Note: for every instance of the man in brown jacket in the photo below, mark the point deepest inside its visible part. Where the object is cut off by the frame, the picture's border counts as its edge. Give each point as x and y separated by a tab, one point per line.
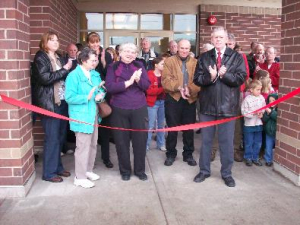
180	103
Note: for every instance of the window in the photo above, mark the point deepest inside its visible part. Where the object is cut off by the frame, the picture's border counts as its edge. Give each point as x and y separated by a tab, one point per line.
185	23
125	21
91	21
151	22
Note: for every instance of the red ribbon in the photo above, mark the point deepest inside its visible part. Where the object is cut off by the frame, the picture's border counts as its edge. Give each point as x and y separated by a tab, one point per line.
36	109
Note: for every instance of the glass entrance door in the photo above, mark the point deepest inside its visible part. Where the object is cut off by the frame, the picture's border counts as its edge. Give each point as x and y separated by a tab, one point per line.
159	40
114	37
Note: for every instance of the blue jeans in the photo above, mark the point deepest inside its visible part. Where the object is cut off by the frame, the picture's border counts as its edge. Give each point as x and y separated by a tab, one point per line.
252	142
55	135
270	142
157	113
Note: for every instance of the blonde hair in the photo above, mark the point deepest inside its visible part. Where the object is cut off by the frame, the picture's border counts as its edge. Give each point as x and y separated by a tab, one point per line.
254	84
247	84
265	81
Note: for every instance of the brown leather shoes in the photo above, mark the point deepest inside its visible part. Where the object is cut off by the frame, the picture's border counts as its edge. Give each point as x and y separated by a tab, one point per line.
64	173
56	179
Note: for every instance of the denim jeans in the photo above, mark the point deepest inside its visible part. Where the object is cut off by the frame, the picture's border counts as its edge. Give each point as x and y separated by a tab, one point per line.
156	113
55	135
270	142
252	142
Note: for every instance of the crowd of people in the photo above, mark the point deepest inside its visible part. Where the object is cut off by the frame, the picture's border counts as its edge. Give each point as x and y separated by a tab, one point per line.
146	90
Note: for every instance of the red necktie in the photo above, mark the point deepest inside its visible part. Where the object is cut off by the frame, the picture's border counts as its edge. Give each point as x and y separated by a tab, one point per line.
219	60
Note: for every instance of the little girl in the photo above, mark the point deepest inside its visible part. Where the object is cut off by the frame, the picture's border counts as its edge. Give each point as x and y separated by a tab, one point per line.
253	124
270	121
156	103
266	87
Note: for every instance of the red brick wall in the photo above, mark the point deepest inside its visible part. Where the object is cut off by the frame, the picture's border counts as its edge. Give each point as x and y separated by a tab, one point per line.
246	23
287	152
16	154
58	16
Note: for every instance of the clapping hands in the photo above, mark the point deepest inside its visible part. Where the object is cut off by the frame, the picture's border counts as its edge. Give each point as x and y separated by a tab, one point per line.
185	92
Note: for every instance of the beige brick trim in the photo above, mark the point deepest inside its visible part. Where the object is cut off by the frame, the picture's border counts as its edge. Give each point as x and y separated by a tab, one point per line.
288	140
16	153
241	9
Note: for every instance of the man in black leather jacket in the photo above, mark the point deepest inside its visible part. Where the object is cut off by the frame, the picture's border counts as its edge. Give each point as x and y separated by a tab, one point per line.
219	73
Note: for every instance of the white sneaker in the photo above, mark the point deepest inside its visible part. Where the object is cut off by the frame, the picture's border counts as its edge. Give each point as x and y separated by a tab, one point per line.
163	148
85	183
92	176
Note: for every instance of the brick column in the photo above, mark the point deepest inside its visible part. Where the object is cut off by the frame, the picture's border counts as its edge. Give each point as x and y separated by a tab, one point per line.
287	151
58	16
16	141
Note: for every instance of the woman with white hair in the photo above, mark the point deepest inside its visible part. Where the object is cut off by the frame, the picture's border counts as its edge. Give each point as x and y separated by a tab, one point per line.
127	82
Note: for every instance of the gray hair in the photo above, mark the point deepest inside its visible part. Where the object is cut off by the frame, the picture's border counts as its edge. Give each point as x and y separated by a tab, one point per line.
207	46
216	29
85	54
275	50
128	45
231	37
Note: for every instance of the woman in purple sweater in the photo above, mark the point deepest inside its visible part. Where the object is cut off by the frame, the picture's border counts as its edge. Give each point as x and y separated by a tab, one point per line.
127	82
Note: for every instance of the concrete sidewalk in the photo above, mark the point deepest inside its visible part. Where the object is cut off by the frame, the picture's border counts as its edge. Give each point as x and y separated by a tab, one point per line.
169	196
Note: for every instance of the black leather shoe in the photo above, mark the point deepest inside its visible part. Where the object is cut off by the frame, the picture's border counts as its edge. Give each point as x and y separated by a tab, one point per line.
55	179
269	164
169	161
229	181
125	177
142	176
200	177
190	161
248	162
64	173
108	164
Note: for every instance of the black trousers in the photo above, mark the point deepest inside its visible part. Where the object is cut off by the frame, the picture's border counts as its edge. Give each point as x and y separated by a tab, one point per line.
133	119
103	139
179	113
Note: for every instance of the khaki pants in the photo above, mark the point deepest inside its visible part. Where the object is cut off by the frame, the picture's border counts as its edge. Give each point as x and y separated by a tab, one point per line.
85	153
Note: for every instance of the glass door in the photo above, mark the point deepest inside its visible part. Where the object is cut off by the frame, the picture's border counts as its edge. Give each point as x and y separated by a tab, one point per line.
159	40
116	37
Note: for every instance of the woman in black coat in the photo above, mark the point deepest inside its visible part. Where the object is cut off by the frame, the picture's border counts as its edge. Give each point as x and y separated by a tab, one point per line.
49	73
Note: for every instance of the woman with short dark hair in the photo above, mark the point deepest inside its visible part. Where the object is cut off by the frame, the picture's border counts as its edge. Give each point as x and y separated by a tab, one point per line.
49	73
82	95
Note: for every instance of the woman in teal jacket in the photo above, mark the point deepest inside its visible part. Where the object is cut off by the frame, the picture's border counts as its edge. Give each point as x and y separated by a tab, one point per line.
82	95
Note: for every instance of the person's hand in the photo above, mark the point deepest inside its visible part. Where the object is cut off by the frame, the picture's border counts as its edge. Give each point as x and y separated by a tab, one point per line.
260	58
187	91
137	75
91	93
101	85
213	72
222	71
257	68
68	65
268	110
260	115
103	57
182	92
99	97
